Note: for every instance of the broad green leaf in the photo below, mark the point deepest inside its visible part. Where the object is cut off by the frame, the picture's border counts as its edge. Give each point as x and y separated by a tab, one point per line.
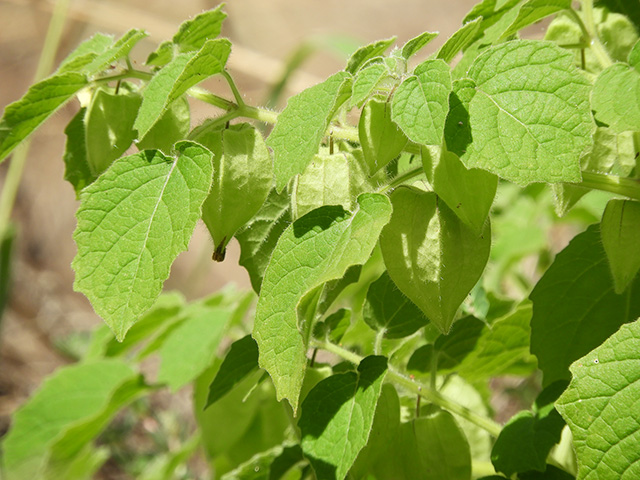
161	55
334	326
634	56
367	80
431	256
360	56
189	349
240	361
109	127
85	53
271	464
620	232
526	440
421	102
611	153
178	76
195	32
386	308
335	179
616	98
617	32
131	228
118	50
302	124
172	126
23	117
51	411
431	447
469	193
530	116
332	290
575	307
462	38
381	139
601	407
330	241
259	237
337	416
533	11
242	180
416	44
7	238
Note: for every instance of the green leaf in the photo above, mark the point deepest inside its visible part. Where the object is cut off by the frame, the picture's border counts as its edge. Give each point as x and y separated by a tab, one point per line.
130	229
337	416
533	11
530	116
118	50
634	56
431	447
620	232
161	55
431	256
172	126
526	440
360	56
51	411
381	139
615	98
194	33
85	53
600	407
259	237
551	473
416	44
575	307
271	464
189	349
367	80
386	308
178	76
242	180
23	117
302	124
335	179
469	193
330	241
334	326
460	40
109	127
240	361
421	102
77	171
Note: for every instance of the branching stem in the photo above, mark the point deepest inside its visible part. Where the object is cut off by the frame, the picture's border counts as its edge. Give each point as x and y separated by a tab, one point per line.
417	388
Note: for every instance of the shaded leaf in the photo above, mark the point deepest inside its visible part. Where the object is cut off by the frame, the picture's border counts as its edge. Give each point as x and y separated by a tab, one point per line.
77	171
337	416
381	139
575	307
172	126
620	232
615	98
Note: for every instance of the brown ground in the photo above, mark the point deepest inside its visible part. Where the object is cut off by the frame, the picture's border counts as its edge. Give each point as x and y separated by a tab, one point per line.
43	307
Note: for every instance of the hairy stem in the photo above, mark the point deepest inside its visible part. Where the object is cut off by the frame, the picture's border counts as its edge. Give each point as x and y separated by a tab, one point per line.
417	388
628	187
591	33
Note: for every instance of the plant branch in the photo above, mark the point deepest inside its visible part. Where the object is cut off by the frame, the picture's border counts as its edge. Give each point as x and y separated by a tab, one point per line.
628	187
234	89
588	28
417	388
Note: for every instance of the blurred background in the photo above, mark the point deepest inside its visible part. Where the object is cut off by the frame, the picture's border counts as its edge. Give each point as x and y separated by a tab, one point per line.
44	314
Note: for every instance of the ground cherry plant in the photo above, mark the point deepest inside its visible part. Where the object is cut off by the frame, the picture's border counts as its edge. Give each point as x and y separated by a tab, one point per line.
394	221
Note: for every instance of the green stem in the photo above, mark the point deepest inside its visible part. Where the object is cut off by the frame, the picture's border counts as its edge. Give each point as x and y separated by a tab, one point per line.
401	179
18	160
234	89
589	28
208	97
628	187
129	73
416	388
